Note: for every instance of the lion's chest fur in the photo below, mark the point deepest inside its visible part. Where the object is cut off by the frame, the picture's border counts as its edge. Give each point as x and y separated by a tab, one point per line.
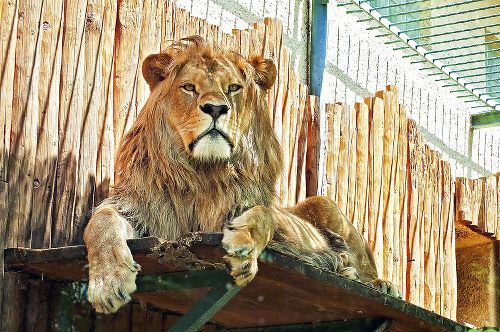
172	210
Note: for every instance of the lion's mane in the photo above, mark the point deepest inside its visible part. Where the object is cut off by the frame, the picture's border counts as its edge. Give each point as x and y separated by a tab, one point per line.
163	191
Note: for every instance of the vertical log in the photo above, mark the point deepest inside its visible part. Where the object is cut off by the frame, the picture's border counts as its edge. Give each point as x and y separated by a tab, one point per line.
128	31
343	165
498	205
463	208
272	49
402	207
333	116
351	197
283	108
489	206
428	239
361	167
421	204
453	267
149	42
437	229
313	143
303	125
388	179
105	133
476	198
48	140
413	253
168	25
448	250
70	121
375	161
292	108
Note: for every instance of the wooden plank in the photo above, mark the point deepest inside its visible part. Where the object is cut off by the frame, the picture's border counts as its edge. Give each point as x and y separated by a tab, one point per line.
105	132
476	197
489	206
402	207
292	104
375	161
463	209
351	197
257	38
388	179
414	174
70	122
422	198
128	32
149	42
303	125
282	115
48	140
333	113
428	239
498	205
448	250
453	256
313	144
8	33
437	229
343	163
24	123
361	168
168	25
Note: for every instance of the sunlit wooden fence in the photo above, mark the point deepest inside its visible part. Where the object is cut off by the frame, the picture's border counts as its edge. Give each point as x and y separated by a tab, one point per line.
71	86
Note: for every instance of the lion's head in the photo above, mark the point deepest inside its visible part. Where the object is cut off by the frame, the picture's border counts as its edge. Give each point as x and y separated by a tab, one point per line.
205	130
210	94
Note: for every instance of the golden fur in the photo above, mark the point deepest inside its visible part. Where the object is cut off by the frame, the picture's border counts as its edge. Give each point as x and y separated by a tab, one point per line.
202	156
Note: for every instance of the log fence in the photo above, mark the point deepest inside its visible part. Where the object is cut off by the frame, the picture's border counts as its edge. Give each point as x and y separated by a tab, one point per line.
71	90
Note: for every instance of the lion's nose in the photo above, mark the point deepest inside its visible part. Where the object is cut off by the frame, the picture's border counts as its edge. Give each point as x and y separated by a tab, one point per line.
215	111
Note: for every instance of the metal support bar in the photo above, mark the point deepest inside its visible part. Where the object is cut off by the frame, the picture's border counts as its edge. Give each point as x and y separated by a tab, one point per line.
377	324
208	306
456	31
317	59
420	10
449	23
485	120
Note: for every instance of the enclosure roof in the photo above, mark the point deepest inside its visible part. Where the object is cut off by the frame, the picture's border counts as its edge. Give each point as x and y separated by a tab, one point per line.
457	42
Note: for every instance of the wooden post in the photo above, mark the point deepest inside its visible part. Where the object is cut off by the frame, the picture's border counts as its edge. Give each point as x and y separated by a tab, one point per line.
498	204
402	207
414	174
292	108
421	204
48	140
313	143
448	249
389	173
428	238
463	193
476	196
343	165
489	206
128	32
283	109
333	116
361	168
375	160
351	197
437	229
303	125
168	25
105	134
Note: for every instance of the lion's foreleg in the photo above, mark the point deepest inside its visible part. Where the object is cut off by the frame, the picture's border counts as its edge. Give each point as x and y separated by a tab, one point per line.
245	237
112	269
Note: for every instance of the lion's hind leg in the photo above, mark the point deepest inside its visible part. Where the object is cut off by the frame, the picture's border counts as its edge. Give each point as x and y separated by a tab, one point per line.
112	269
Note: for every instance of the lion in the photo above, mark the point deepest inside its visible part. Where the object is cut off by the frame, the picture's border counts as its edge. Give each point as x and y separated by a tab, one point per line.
202	156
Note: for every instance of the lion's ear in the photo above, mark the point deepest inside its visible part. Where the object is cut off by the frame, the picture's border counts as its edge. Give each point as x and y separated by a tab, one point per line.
265	71
153	68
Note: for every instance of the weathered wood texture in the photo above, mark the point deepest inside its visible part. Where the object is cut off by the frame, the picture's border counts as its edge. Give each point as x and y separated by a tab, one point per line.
71	86
397	194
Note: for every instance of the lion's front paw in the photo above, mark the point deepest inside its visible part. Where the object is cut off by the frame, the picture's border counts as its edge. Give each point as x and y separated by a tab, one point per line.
111	279
386	287
349	272
241	254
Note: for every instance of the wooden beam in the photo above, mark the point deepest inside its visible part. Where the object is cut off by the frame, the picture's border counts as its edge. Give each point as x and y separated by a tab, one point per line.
485	120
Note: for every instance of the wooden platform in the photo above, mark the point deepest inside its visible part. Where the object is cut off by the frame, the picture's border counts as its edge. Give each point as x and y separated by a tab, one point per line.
286	291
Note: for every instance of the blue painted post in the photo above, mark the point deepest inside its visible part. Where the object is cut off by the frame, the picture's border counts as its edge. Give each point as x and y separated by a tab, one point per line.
319	29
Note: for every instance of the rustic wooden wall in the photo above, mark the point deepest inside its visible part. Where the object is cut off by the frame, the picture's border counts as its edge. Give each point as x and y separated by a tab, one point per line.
71	86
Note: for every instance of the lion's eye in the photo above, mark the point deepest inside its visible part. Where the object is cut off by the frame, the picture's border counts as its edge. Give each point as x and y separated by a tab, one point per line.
188	87
234	87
